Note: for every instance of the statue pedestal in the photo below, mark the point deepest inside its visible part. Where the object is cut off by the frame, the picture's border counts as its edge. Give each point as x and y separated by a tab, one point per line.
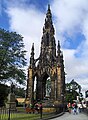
11	104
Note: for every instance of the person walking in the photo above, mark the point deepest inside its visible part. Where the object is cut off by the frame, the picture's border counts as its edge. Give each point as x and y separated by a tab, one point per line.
75	109
41	110
69	107
79	107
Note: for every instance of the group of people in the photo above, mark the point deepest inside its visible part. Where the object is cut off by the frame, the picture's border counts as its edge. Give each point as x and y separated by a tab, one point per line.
75	108
34	107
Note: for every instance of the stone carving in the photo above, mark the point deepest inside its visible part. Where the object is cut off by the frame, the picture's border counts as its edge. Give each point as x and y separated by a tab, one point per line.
11	104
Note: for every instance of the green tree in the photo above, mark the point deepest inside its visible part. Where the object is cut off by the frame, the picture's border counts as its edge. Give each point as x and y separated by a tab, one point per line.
73	89
19	92
12	57
73	86
4	90
71	95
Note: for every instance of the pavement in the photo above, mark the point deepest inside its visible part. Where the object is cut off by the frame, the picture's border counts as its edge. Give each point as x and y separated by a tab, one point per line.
68	116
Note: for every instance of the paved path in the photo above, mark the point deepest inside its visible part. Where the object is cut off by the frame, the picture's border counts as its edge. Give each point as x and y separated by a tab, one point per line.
68	116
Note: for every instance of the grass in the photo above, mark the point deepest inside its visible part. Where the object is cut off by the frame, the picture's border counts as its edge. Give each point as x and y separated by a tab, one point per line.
21	115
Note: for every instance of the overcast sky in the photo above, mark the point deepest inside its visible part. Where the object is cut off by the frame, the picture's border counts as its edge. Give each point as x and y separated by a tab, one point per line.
70	19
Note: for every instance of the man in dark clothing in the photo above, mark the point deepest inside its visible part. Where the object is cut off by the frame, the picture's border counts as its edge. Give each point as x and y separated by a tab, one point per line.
75	108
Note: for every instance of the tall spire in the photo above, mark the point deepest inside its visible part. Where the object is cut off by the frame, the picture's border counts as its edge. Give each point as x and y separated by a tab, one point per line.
48	26
49	11
48	44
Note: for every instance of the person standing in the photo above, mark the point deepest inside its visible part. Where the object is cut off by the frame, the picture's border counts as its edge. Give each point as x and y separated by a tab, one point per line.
80	107
75	108
69	107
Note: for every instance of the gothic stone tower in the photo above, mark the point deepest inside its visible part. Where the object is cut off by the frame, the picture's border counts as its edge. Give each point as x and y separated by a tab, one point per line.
49	65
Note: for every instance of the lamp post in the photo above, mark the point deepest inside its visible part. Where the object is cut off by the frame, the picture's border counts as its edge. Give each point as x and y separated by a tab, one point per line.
9	114
41	110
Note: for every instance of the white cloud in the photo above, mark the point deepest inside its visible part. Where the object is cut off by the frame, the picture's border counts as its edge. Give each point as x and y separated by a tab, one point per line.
70	14
75	67
71	17
29	23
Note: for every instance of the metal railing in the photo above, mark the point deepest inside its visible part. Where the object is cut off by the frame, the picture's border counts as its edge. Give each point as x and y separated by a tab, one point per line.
6	114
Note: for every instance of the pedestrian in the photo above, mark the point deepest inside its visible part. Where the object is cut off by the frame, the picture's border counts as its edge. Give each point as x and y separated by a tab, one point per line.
79	107
75	109
41	110
73	105
37	108
69	107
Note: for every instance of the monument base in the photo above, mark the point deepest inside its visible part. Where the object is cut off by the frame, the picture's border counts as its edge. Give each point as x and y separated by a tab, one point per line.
51	103
11	105
51	106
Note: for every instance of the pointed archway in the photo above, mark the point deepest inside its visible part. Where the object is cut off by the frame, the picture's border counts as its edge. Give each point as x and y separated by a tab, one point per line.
45	86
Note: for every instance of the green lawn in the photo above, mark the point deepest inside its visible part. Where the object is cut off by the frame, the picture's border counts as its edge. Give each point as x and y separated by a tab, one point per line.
21	115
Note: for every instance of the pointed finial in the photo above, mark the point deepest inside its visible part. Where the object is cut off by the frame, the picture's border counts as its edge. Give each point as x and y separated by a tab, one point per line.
58	48
33	46
48	6
48	14
58	44
48	11
32	56
32	50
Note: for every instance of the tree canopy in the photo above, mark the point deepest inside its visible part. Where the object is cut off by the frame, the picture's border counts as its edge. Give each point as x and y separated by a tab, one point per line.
73	89
4	90
12	57
73	85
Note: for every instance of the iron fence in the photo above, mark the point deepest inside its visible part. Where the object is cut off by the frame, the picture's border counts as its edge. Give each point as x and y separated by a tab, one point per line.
19	114
6	114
